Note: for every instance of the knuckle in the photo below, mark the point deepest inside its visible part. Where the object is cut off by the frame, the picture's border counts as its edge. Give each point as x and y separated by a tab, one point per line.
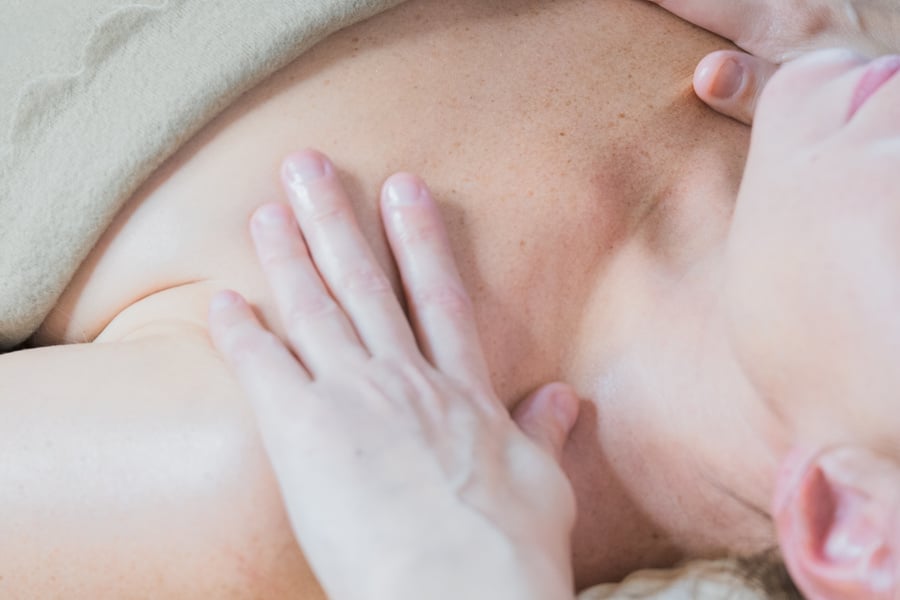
279	258
277	249
491	409
380	387
308	307
413	227
364	279
323	203
447	298
325	213
246	345
406	375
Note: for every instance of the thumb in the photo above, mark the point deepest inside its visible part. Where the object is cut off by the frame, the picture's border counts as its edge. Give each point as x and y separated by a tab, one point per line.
547	417
731	83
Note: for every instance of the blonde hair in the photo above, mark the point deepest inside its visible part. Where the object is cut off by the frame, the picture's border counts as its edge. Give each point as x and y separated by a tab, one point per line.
767	573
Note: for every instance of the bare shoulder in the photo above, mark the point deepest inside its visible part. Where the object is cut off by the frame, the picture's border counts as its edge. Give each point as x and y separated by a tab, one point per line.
132	465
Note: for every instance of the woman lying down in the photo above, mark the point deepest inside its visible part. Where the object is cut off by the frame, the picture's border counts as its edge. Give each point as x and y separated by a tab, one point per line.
398	456
588	199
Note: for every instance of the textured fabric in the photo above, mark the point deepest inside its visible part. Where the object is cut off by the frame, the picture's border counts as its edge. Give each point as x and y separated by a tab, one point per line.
96	94
699	580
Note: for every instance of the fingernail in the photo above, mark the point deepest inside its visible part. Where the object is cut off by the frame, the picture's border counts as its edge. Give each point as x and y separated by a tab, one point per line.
224	300
728	80
269	216
304	167
403	190
565	409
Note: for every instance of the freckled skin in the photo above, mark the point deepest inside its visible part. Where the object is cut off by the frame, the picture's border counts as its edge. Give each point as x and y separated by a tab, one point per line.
582	184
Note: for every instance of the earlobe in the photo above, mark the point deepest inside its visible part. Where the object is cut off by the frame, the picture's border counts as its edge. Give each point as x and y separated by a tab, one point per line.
836	526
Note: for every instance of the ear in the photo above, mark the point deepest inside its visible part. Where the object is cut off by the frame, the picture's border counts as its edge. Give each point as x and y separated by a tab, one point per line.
836	515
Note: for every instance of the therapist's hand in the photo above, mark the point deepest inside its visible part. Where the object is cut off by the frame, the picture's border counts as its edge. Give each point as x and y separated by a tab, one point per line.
775	31
403	474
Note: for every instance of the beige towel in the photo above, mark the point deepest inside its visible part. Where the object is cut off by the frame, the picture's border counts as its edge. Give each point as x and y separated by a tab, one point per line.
698	580
96	94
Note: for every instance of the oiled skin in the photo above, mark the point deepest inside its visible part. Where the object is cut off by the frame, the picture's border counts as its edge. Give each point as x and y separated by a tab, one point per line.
566	149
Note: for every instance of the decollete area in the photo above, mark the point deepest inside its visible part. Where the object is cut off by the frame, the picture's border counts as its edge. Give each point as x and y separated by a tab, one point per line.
546	130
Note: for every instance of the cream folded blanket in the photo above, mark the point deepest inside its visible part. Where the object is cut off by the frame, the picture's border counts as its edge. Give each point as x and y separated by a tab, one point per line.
96	94
696	580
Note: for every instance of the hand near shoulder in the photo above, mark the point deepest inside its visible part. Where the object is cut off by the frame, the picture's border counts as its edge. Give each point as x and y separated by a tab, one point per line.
403	474
774	32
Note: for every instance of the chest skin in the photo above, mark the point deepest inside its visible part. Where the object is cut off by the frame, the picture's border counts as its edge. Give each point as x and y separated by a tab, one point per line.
554	135
548	132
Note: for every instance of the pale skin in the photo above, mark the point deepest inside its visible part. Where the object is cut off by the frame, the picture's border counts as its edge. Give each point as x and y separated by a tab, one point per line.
810	300
543	225
225	534
409	465
775	312
817	332
813	291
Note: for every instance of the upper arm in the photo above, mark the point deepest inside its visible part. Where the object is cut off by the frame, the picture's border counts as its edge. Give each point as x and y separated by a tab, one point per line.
132	466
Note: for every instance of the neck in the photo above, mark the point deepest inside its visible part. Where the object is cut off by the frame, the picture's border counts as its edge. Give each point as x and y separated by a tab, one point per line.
674	444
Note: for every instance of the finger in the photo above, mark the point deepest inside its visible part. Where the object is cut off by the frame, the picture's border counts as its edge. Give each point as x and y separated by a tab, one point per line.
547	417
731	82
440	306
741	21
343	256
316	327
265	368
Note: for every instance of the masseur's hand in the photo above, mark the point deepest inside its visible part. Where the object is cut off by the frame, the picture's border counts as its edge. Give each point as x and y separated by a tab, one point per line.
403	474
775	31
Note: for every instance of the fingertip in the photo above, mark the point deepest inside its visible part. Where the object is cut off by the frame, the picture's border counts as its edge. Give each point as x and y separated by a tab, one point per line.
225	309
404	189
410	215
548	416
271	213
723	80
731	82
225	300
720	76
268	219
566	406
305	166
